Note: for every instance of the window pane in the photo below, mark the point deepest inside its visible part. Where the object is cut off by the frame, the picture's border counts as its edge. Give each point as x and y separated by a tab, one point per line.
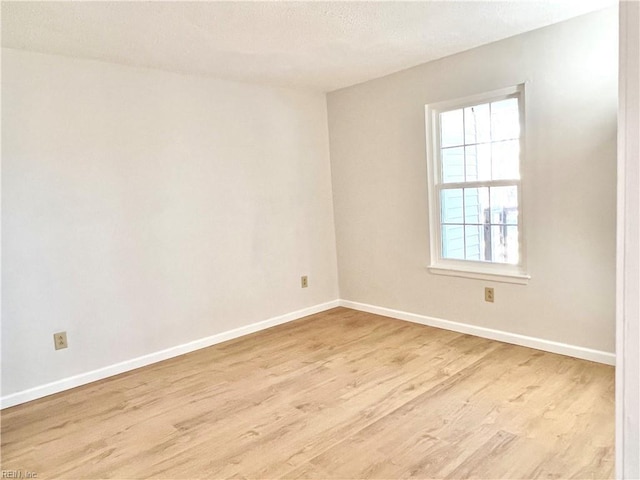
505	120
453	241
451	129
486	242
505	163
504	244
477	124
476	202
474	242
453	164
451	203
478	160
497	254
512	245
504	205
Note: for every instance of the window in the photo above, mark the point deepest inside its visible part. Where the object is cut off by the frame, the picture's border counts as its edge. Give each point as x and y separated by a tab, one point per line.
475	156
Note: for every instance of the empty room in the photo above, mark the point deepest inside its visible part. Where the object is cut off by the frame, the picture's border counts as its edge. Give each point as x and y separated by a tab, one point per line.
342	240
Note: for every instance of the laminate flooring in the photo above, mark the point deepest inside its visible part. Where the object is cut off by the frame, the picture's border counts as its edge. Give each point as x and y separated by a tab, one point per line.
337	395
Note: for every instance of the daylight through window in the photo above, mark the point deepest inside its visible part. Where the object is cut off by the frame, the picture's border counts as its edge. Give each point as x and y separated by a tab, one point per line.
476	180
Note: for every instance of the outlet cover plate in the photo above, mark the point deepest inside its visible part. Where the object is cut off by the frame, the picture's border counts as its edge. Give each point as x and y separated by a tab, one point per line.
60	340
488	294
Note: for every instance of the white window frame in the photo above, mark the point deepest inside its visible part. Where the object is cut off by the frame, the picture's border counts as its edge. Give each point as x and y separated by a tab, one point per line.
492	271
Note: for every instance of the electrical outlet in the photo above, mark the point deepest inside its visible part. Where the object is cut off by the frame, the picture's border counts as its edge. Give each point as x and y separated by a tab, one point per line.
488	294
304	282
60	340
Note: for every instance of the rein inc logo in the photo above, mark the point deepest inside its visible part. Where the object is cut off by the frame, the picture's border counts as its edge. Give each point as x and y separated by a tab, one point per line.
18	474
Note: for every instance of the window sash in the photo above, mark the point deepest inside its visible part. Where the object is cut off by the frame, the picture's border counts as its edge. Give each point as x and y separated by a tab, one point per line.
462	185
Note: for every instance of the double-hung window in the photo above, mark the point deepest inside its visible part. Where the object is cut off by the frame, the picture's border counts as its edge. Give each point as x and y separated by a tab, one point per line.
475	162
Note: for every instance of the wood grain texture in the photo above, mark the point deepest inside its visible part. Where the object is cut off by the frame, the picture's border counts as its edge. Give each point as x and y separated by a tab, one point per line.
341	394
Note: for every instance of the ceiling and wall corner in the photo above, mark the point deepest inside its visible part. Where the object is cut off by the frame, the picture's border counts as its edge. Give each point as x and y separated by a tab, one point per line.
318	45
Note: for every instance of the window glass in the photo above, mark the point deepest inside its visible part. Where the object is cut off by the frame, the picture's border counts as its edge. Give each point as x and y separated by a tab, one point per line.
451	201
453	164
505	160
451	129
478	162
505	120
476	204
504	205
453	241
477	124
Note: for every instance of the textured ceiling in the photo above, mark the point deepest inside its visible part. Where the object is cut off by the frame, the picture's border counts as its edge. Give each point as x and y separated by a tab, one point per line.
318	45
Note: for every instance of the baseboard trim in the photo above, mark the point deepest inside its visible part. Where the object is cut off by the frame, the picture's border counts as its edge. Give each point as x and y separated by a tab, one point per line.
122	367
502	336
115	369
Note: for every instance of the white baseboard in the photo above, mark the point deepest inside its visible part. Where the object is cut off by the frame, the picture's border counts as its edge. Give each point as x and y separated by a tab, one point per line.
507	337
108	371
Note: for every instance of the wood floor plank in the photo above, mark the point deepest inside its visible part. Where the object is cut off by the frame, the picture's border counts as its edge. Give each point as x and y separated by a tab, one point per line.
341	394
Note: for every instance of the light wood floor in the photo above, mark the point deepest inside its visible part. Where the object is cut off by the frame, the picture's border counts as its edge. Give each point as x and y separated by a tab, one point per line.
342	394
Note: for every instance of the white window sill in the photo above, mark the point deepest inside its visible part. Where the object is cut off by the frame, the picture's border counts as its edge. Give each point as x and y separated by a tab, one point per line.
503	277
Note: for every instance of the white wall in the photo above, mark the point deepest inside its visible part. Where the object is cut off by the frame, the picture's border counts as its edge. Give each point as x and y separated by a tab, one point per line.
143	209
379	176
628	280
